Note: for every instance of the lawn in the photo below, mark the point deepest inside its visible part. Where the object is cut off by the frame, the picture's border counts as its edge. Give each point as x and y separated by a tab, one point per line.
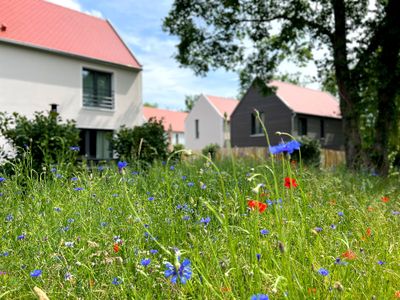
199	230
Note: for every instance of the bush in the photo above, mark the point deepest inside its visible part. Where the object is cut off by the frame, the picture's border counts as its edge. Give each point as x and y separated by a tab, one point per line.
46	139
211	149
146	143
310	152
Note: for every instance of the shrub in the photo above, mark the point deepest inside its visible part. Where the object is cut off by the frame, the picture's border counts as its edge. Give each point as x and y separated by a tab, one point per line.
146	143
310	152
46	138
211	149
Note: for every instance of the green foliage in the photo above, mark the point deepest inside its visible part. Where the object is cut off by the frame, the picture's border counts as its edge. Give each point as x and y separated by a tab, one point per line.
144	143
46	138
211	149
148	104
310	152
190	101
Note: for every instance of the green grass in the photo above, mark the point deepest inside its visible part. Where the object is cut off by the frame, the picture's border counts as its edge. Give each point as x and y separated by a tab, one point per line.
50	212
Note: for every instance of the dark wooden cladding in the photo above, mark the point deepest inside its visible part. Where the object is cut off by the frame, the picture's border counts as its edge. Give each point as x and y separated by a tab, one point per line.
277	117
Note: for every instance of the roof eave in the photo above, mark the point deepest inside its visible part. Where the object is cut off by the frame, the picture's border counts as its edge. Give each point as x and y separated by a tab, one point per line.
67	54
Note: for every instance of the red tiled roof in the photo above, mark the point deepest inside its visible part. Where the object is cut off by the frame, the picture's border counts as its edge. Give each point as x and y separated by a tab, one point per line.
223	105
175	119
52	27
307	101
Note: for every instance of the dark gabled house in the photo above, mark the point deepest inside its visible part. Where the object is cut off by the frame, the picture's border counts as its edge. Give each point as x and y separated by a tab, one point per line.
288	108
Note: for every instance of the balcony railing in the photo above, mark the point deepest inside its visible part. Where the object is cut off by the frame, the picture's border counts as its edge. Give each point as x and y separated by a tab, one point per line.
98	101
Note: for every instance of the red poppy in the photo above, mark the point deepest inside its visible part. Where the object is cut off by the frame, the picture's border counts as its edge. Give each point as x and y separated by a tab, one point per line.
116	248
385	199
312	290
369	232
256	204
290	182
397	294
350	255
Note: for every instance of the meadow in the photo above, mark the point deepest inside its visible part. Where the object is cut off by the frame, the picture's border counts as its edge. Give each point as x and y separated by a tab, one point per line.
198	229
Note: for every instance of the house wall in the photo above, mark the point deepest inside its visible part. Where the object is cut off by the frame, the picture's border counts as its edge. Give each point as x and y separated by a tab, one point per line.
277	118
210	126
334	137
30	80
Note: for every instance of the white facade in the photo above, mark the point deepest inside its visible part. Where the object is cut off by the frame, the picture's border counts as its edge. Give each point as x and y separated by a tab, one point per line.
210	128
33	79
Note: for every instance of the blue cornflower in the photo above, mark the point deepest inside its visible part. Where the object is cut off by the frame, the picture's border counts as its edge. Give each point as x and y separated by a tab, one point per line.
285	147
66	228
71	220
333	226
318	229
380	262
190	184
74	148
205	221
2	179
150	198
9	217
100	168
259	297
182	271
184	177
53	170
57	209
323	272
103	224
338	261
58	175
172	168
258	255
116	281
145	262
269	202
78	189
121	165
74	179
67	276
69	244
5	253
186	218
395	213
203	186
153	251
340	214
36	273
264	231
21	237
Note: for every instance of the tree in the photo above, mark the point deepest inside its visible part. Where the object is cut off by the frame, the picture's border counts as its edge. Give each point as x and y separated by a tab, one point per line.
357	40
148	104
190	100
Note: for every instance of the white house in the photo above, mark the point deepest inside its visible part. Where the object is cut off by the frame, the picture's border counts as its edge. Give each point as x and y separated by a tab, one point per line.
173	121
208	122
55	58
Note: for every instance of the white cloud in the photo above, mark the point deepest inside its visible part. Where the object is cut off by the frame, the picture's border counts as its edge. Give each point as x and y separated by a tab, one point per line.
75	5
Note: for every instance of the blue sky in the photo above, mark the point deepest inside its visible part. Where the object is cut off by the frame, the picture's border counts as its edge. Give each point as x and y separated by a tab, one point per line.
164	82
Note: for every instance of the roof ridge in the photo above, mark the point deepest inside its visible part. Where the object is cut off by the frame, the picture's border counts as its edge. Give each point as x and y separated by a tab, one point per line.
226	98
74	10
304	87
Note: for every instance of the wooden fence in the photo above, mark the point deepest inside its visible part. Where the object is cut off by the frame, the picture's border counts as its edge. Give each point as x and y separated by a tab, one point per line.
329	158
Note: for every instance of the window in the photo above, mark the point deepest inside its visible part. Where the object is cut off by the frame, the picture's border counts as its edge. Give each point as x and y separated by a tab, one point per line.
97	89
196	125
95	144
256	127
322	128
302	126
176	138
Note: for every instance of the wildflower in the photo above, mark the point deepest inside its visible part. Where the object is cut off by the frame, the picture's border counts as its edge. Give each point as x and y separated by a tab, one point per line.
57	209
69	244
66	228
9	217
205	221
385	199
116	247
338	286
36	273
323	272
67	276
190	184
74	148
103	224
121	165
258	255
397	294
369	232
338	261
145	262
333	226
71	220
150	198
21	237
395	213
349	255
290	182
289	147
74	179
186	218
380	262
318	229
182	271
5	253
203	186
264	231
340	214
312	290
172	168
78	189
2	179
116	281
259	297
153	251
256	204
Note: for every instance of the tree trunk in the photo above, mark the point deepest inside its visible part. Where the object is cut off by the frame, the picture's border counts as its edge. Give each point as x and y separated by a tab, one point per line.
389	78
